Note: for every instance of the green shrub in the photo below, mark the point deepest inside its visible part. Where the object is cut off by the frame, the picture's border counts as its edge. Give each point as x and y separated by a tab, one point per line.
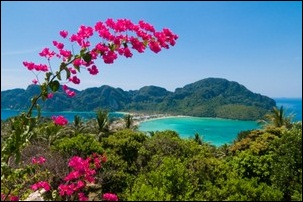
80	145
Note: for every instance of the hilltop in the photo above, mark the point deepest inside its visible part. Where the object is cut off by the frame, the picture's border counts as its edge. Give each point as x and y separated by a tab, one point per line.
210	97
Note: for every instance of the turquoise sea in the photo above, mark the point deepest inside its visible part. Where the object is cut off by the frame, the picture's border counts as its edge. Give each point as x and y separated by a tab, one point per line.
69	115
213	130
216	131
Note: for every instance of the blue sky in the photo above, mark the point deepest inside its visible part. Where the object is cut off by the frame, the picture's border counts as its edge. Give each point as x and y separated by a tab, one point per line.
257	44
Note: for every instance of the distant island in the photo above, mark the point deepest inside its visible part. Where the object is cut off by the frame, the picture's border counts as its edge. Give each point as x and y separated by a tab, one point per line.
210	97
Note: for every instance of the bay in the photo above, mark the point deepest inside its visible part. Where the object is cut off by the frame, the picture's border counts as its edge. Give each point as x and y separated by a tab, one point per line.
213	130
217	131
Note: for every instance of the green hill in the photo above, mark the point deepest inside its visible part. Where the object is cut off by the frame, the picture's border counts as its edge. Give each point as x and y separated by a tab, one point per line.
210	97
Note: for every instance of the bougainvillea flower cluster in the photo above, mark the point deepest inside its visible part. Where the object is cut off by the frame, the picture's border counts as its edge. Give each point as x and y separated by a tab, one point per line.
118	37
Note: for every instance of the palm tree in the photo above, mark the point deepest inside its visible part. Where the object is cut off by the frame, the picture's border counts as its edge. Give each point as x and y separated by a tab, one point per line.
129	121
102	122
78	124
278	118
198	139
74	128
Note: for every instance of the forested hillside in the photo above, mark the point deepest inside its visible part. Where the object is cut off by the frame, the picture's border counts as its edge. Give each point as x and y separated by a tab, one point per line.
211	97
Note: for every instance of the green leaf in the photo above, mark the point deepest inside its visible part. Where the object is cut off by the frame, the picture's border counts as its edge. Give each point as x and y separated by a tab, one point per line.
77	68
39	110
54	85
87	57
145	42
44	92
82	52
58	75
112	47
69	58
18	157
48	75
62	66
68	74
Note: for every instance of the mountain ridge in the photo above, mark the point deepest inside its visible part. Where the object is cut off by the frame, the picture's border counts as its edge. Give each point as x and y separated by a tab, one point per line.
209	97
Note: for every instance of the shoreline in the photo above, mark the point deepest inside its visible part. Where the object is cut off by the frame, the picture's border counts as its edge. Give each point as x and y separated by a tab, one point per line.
143	117
140	118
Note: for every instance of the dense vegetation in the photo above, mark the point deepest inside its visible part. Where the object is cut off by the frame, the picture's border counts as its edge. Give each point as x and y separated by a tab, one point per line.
260	165
211	97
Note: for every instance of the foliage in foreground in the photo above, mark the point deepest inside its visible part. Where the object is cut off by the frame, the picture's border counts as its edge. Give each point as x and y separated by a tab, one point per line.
260	165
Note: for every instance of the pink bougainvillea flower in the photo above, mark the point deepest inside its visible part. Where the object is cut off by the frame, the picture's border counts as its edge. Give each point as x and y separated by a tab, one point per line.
82	197
58	45
70	93
34	160
75	161
97	162
50	95
103	159
85	31
137	45
60	120
38	67
77	62
65	53
2	196
66	189
42	184
80	184
85	44
109	57
11	197
47	53
64	87
63	189
127	53
41	67
34	187
41	160
14	198
63	33
72	70
154	46
110	197
72	175
93	70
35	81
74	79
29	65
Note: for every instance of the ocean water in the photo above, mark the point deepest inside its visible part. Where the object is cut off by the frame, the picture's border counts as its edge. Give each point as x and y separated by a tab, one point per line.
217	131
291	106
69	115
213	130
